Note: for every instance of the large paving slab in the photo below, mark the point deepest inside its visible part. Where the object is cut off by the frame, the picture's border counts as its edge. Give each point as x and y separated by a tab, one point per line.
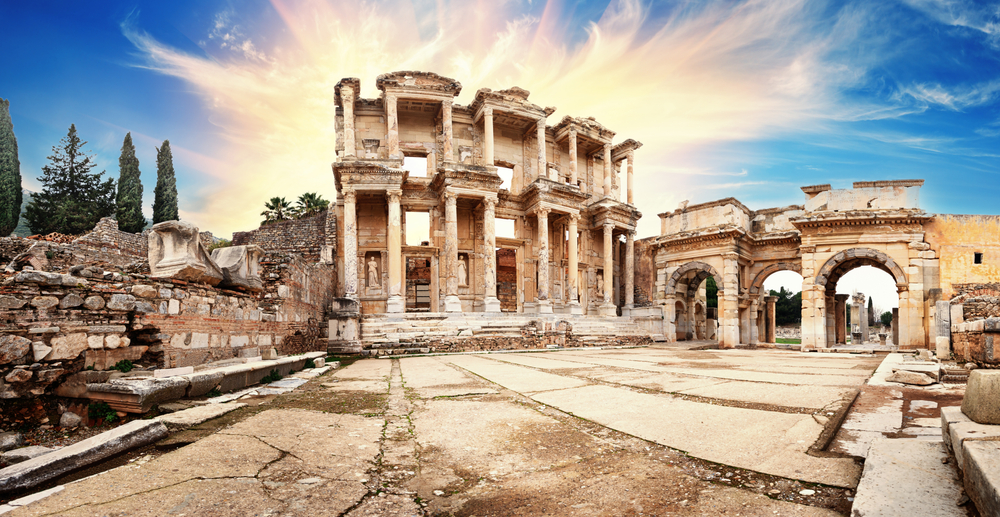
770	442
904	478
544	363
795	396
519	379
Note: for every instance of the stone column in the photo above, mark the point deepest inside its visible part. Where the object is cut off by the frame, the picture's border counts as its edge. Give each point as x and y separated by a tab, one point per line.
572	157
895	326
752	319
347	99
630	156
451	301
771	331
396	303
488	136
840	318
729	302
492	303
863	315
831	320
574	266
543	168
608	307
392	128
544	305
608	166
446	148
350	244
857	312
629	270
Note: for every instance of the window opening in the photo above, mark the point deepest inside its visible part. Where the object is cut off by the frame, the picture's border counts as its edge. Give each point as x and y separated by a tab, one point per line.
978	258
417	165
418	228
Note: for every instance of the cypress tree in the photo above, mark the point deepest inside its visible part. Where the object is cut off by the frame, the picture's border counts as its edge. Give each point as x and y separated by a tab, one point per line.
129	200
165	200
10	173
73	198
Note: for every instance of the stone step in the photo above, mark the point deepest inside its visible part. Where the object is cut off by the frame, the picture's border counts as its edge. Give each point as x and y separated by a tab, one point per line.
907	477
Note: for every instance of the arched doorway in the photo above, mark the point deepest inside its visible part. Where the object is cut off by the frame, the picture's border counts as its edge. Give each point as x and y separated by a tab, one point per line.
823	307
776	294
692	317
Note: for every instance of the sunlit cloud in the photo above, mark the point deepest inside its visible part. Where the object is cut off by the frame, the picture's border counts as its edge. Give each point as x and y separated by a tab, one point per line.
704	73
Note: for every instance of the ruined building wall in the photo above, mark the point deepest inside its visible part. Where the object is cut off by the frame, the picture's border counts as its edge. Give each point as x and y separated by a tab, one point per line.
107	237
61	323
956	239
309	236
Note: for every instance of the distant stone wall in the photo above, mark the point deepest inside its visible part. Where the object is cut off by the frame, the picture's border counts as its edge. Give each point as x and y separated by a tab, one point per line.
529	341
312	237
977	341
978	300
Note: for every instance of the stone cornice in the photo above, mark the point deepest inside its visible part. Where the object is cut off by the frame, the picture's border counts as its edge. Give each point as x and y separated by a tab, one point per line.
860	218
415	82
366	175
462	176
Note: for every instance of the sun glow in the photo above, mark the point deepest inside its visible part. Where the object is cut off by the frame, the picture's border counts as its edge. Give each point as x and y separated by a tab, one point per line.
677	81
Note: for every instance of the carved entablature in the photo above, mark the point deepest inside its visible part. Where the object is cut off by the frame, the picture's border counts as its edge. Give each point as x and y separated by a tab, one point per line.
701	240
510	107
620	151
466	177
354	83
418	84
555	193
591	136
623	216
369	175
887	221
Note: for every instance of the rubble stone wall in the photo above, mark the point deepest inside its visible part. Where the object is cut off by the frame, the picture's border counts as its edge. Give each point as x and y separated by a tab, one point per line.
977	341
979	300
307	236
528	341
53	325
107	237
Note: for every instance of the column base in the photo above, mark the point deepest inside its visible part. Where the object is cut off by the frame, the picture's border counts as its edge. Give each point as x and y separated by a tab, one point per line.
395	304
544	307
452	304
627	310
609	309
492	304
575	308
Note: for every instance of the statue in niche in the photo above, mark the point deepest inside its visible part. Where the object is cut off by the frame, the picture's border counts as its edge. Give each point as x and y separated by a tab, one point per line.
463	271
373	280
600	286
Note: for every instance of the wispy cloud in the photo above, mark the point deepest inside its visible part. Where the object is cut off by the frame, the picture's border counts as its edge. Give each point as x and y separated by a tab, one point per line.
955	98
983	17
704	73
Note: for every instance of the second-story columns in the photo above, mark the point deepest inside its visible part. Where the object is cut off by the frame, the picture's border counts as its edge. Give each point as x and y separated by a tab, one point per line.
392	128
396	303
608	166
543	167
451	301
488	136
630	156
629	269
447	147
347	99
544	304
572	157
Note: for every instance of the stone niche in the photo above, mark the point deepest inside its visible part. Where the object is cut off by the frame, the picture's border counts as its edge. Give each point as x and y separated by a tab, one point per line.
176	251
239	265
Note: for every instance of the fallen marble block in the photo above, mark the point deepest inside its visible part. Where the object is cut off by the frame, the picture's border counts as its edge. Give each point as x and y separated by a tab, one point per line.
175	251
48	466
239	265
138	395
914	378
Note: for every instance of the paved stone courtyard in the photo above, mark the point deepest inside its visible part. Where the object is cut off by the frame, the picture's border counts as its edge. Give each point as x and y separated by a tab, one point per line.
582	432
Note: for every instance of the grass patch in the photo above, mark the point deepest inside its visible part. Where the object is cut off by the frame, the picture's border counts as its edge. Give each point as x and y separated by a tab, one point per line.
787	341
271	377
123	366
102	411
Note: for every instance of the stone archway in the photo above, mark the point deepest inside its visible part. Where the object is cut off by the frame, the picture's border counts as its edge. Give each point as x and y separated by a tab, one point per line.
758	281
682	288
820	319
703	271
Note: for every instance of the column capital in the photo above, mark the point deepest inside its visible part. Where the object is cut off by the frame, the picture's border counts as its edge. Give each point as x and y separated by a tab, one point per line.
447	102
487	112
394	195
489	203
349	195
630	155
450	197
609	227
732	255
389	97
346	91
574	218
543	212
541	122
572	133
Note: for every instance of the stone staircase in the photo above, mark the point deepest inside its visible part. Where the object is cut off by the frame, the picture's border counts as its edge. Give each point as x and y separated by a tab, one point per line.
427	332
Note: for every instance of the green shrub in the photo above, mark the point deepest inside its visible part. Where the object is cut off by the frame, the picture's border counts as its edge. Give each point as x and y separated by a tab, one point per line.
309	364
214	393
271	377
123	366
102	411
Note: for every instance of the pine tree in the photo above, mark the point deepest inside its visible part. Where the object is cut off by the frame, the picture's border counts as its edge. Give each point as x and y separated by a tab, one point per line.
165	201
73	198
10	173
871	313
129	200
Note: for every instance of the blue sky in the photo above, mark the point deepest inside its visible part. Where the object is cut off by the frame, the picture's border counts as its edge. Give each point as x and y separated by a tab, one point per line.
746	99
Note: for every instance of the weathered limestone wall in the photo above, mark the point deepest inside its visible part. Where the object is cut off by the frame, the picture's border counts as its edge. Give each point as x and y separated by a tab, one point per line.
314	238
867	195
956	239
977	341
108	238
56	324
727	211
